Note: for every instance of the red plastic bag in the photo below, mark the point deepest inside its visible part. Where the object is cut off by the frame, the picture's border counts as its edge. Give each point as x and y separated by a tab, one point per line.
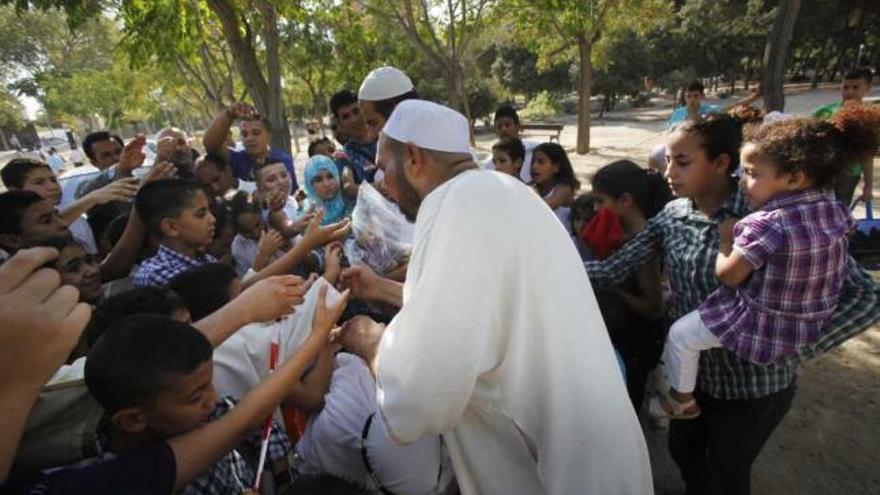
602	234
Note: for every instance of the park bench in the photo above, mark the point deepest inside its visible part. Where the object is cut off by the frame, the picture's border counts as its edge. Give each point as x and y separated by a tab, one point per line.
553	129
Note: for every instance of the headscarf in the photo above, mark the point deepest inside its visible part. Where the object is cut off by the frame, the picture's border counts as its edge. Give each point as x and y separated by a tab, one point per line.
335	209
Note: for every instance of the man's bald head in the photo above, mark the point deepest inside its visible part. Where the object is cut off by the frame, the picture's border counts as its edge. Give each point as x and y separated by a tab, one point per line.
173	146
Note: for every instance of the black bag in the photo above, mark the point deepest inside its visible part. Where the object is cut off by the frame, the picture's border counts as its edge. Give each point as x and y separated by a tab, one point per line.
864	243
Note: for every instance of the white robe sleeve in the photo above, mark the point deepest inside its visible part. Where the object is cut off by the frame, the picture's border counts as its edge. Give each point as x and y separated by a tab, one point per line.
447	334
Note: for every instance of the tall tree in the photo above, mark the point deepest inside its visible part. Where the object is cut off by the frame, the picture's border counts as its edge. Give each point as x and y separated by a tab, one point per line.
443	32
776	54
558	25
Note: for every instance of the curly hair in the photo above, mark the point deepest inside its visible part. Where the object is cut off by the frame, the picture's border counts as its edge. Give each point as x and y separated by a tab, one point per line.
820	149
746	114
719	134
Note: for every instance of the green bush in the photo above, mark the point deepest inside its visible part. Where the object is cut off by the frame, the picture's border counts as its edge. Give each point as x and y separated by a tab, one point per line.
542	107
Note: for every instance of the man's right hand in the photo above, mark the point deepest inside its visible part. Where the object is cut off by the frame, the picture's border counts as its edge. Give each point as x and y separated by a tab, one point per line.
132	156
240	110
364	283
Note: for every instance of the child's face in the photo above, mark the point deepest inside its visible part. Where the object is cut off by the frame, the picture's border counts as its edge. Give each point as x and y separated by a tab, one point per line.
504	164
351	122
43	182
249	225
194	227
81	270
505	127
543	169
689	171
326	186
693	99
604	200
219	182
186	403
41	222
325	148
854	89
221	245
274	177
761	179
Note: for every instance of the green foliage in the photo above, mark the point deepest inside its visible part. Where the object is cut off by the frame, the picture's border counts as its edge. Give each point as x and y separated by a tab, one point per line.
481	99
11	111
542	107
516	69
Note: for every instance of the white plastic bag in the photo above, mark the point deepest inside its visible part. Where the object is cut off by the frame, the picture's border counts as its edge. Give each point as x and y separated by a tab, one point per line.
382	236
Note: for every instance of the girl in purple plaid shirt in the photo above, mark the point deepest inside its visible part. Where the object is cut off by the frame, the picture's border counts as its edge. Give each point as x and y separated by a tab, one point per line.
781	267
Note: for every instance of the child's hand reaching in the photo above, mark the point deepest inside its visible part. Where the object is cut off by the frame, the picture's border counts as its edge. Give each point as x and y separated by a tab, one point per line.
332	262
120	190
317	236
326	317
270	242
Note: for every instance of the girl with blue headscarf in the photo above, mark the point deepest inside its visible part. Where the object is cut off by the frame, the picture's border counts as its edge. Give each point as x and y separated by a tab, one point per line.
323	187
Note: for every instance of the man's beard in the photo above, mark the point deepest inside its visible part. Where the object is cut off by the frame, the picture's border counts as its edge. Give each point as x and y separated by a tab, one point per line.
409	199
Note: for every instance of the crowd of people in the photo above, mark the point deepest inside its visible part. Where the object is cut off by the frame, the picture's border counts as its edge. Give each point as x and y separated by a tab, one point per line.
412	320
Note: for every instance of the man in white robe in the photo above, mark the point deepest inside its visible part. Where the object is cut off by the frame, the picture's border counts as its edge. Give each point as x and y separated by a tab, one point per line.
499	344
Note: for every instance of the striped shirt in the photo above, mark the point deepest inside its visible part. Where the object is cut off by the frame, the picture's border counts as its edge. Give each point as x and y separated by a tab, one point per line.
688	241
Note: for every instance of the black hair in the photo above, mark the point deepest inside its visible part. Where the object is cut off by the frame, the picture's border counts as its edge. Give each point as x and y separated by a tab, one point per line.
556	153
165	198
140	356
695	86
647	187
15	172
863	73
13	204
115	228
259	118
242	203
342	98
719	134
512	146
313	146
385	107
205	289
97	137
149	300
506	111
583	208
214	158
222	213
324	484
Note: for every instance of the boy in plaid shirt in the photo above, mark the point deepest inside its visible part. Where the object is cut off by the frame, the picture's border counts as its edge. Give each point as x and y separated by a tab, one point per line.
782	268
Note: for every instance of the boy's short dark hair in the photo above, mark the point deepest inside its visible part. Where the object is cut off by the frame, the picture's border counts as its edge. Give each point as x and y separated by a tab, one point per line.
115	228
140	300
15	172
313	146
512	146
137	357
342	98
261	118
204	289
385	107
97	137
13	204
163	199
863	73
695	86
506	111
215	159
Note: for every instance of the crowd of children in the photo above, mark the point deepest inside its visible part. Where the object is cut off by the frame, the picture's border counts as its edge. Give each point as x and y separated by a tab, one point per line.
187	295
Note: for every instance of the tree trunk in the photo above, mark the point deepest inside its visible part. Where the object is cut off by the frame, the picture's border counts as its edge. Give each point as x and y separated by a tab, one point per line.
266	94
3	144
585	50
776	54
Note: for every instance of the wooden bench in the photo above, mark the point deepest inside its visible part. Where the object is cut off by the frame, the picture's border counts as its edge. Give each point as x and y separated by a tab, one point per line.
553	129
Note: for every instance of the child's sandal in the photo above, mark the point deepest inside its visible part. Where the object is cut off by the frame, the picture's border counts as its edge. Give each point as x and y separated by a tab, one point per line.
665	406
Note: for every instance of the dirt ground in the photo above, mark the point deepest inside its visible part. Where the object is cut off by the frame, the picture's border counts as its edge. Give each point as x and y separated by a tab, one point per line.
829	442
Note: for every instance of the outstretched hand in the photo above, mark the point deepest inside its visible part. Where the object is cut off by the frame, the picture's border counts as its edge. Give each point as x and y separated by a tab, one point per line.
326	317
273	297
40	320
132	155
120	190
318	236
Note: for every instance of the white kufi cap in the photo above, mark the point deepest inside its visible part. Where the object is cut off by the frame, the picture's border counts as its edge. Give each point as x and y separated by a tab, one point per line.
429	126
384	83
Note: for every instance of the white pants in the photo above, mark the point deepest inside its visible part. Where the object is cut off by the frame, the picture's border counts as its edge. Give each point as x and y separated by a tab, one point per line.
687	337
